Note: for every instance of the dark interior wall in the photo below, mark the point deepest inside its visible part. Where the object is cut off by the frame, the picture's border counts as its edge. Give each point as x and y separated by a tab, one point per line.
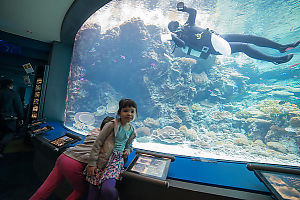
14	52
17	50
56	91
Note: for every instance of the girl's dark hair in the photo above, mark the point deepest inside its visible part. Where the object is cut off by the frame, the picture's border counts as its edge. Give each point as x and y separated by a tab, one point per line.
105	120
123	103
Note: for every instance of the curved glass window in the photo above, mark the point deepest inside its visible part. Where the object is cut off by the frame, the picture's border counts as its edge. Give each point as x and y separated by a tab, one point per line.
240	107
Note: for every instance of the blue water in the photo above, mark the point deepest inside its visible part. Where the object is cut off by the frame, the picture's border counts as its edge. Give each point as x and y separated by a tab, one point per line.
225	107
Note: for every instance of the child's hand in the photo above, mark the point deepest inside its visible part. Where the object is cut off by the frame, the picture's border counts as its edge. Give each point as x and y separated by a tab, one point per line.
125	154
91	170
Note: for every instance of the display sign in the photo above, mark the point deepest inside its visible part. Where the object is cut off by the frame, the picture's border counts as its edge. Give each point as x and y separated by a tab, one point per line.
150	166
28	68
282	185
36	123
7	47
36	98
42	130
65	140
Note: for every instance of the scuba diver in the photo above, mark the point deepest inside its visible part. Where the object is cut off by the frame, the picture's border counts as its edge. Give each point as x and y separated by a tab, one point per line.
201	42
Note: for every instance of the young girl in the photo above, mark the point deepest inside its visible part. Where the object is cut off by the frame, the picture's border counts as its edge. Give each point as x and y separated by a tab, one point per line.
110	151
70	165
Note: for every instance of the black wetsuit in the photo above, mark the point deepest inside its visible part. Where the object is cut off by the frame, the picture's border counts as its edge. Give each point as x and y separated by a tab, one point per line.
11	109
200	39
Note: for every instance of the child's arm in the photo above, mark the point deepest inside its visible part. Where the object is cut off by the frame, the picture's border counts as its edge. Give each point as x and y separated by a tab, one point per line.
128	146
107	129
95	131
91	137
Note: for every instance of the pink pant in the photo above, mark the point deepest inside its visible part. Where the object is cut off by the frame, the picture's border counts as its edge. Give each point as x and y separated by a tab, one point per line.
65	168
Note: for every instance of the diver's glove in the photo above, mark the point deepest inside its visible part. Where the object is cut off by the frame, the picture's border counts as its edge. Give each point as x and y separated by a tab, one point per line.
180	6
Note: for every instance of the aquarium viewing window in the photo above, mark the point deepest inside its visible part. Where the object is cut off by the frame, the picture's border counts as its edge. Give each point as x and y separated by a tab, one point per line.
229	107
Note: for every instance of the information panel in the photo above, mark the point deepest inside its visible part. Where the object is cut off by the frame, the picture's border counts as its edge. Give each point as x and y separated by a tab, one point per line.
150	166
282	185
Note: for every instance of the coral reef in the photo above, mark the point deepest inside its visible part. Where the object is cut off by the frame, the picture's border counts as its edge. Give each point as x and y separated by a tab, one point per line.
143	131
295	122
277	146
168	135
150	122
218	116
274	107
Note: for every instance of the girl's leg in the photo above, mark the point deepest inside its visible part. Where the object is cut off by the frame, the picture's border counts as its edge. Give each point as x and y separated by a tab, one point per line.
54	178
253	53
109	190
72	170
94	192
259	41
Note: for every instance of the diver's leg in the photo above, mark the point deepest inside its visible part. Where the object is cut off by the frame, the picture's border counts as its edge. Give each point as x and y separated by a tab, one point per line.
259	41
253	53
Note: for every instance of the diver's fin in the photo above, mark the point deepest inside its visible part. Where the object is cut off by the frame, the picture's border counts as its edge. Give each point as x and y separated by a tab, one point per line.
284	59
289	47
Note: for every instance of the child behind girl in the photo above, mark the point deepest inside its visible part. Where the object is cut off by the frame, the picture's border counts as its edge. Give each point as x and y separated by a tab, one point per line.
70	165
110	151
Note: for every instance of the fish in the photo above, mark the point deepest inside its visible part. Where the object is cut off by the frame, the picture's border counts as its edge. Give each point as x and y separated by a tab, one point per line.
294	65
193	89
281	102
92	50
123	57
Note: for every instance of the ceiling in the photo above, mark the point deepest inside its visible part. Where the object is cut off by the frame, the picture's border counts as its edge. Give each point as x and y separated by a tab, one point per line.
35	19
46	20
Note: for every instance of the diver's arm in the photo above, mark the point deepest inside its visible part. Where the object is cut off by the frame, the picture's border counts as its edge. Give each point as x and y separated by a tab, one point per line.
192	16
178	41
192	13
